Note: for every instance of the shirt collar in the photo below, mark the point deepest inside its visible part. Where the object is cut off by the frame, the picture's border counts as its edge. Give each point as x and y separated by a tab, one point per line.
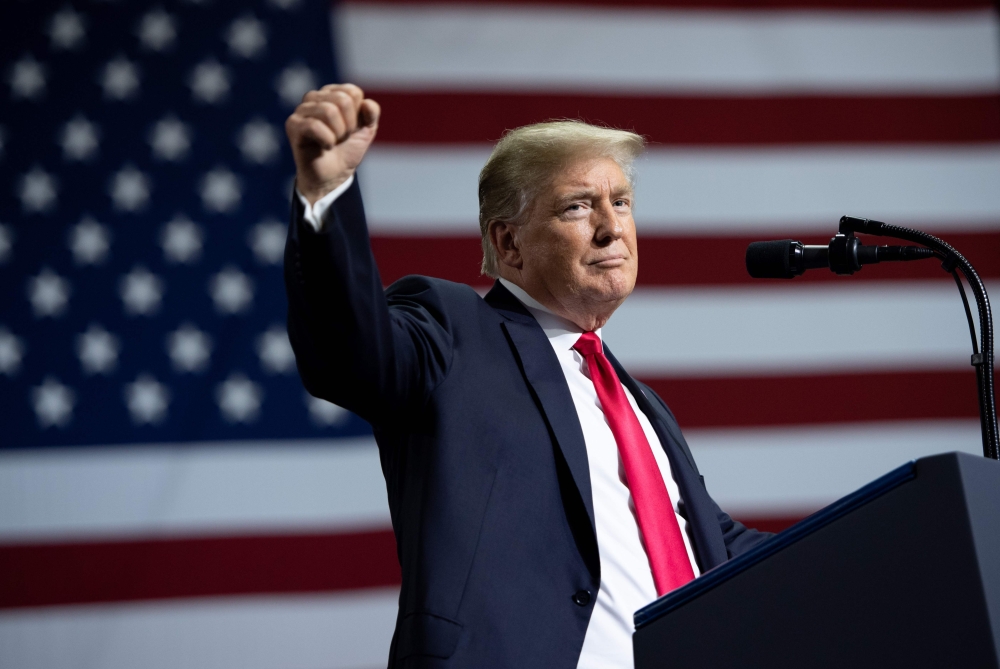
562	334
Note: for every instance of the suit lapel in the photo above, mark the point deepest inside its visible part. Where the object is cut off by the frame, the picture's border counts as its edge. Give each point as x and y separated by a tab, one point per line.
698	506
545	376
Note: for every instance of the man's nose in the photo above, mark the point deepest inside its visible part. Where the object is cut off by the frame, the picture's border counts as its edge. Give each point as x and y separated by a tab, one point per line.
607	225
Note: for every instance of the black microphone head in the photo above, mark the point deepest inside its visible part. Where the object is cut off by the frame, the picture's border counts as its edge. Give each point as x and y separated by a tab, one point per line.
770	260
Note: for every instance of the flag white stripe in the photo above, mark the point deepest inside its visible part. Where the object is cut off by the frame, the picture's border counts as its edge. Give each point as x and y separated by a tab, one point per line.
792	328
257	487
347	630
426	191
814	466
641	50
751	471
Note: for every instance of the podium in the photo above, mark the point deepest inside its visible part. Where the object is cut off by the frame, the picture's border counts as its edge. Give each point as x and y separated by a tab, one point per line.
905	572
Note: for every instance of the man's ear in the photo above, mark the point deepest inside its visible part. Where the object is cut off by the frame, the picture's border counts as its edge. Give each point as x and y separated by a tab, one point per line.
503	236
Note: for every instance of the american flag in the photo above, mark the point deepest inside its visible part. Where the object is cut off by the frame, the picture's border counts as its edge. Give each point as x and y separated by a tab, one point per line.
169	496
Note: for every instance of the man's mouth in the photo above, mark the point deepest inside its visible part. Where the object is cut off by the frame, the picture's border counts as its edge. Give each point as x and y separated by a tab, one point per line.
609	261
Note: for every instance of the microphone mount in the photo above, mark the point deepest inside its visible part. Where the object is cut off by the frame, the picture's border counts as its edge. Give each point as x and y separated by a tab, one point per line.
848	254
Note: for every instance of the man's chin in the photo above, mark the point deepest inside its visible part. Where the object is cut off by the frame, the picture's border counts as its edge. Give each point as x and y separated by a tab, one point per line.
619	282
612	290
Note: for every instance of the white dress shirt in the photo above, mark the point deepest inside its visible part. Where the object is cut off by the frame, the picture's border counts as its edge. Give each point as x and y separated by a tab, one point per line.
626	577
315	212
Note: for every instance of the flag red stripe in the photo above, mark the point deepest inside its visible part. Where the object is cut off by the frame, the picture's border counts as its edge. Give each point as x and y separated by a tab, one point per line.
766	524
755	401
90	572
706	261
671	260
454	117
36	575
853	5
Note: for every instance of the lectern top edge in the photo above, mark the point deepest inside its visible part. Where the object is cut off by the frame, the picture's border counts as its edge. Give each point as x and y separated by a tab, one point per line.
800	530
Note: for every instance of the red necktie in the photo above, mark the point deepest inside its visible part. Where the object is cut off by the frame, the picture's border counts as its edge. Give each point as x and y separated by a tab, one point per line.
668	558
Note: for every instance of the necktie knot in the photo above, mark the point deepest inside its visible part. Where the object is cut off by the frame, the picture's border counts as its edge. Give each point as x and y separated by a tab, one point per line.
588	344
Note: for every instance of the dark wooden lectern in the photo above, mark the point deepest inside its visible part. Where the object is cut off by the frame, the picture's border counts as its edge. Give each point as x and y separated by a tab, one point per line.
902	573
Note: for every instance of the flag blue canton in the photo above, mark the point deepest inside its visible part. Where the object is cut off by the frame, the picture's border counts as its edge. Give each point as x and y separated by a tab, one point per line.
144	183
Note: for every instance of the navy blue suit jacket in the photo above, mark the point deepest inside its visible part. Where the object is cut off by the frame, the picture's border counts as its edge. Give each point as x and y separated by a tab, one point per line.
483	454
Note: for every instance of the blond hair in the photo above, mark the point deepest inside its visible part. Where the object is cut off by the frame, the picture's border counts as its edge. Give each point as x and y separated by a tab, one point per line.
525	161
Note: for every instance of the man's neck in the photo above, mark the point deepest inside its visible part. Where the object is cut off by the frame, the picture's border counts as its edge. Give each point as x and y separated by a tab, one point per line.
553	324
525	298
584	323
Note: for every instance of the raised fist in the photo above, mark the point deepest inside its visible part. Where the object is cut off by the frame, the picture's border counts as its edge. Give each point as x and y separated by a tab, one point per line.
330	132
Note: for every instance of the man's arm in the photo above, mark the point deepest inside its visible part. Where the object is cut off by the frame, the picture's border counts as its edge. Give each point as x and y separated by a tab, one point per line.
351	347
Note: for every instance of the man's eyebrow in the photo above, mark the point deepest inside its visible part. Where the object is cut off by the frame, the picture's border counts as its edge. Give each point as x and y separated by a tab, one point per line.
590	194
585	194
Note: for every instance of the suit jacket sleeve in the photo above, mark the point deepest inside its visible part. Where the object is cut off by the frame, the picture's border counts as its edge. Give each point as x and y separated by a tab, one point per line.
376	355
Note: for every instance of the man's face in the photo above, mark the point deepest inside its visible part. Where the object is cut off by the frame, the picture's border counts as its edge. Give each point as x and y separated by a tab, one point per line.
578	245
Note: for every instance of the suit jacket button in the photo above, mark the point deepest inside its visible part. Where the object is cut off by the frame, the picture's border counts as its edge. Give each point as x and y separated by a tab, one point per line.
581	597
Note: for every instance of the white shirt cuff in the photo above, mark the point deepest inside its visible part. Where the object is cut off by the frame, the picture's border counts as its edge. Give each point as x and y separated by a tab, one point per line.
314	213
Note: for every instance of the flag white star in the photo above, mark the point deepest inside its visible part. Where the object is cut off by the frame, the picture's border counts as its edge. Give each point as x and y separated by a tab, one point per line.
221	190
157	30
48	293
170	139
239	399
120	79
323	413
181	240
37	190
141	292
89	241
27	79
275	351
258	141
53	403
7	237
267	241
209	82
247	36
147	400
231	290
129	189
79	139
98	350
285	4
189	349
11	352
295	81
67	29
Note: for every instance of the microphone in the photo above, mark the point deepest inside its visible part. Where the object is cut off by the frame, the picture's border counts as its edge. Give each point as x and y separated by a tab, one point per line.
845	254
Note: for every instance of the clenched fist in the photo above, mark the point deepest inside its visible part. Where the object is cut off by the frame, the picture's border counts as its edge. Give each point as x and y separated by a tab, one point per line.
329	133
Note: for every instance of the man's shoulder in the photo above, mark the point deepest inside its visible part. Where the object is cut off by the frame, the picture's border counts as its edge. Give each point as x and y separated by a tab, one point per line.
418	284
435	294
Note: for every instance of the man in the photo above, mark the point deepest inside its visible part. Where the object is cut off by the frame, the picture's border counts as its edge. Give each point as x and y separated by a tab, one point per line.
539	495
